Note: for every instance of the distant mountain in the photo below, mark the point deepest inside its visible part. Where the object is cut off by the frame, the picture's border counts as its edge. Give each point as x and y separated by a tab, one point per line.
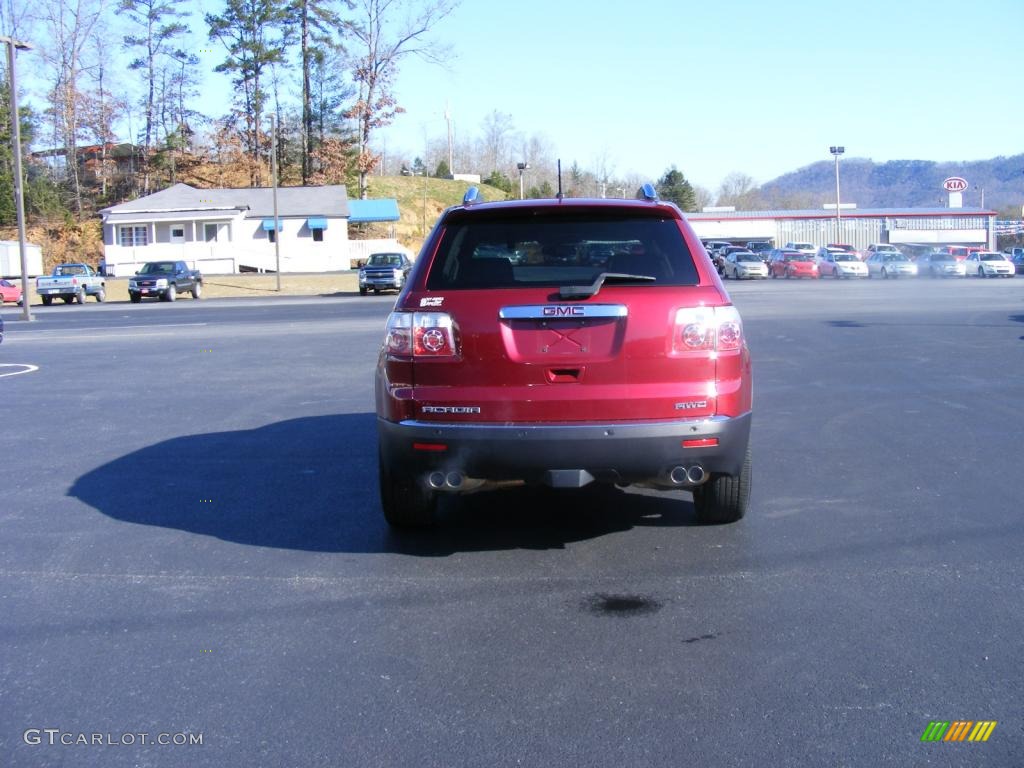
898	184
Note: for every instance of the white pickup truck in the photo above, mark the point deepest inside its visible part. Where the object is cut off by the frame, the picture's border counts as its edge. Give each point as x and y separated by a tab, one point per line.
71	282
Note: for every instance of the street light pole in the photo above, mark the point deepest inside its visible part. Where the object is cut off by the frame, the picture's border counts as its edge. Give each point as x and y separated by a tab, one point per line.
522	167
19	190
836	152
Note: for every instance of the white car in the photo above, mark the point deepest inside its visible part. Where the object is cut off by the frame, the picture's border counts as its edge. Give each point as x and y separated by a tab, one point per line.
807	248
885	265
989	264
838	264
744	264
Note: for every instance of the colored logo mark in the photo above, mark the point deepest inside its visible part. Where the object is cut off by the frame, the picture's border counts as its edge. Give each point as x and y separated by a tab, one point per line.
958	730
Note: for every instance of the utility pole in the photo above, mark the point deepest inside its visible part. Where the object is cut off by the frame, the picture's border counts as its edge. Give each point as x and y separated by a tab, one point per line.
273	181
19	190
451	148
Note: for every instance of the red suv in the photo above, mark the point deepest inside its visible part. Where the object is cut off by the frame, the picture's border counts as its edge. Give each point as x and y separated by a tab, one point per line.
563	342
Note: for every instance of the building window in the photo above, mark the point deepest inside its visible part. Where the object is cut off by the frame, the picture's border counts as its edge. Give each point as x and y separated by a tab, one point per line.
318	235
271	235
217	233
132	236
178	234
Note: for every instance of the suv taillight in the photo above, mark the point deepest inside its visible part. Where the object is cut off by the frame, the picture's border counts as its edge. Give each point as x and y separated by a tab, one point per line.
421	334
716	329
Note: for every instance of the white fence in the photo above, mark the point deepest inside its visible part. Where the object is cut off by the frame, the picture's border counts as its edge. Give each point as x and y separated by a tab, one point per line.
360	250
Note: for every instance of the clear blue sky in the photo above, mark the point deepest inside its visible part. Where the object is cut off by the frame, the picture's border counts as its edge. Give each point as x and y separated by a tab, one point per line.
747	85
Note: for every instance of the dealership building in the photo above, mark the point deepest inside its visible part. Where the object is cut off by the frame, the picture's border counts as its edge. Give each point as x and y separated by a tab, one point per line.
916	228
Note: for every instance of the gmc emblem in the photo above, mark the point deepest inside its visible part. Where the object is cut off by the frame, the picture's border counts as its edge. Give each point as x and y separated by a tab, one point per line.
563	311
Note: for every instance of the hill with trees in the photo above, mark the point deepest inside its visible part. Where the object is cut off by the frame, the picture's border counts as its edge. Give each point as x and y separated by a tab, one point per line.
898	184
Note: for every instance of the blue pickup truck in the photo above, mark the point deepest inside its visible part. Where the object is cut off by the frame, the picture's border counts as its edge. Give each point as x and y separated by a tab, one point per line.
164	280
72	283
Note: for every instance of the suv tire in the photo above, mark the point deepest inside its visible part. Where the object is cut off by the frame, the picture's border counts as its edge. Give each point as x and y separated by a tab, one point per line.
724	498
405	502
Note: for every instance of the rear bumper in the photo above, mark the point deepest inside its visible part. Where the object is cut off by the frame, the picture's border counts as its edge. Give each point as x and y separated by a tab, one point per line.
535	454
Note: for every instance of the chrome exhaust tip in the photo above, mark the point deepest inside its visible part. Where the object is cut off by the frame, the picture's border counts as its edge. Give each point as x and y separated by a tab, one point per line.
436	480
453	480
678	476
696	475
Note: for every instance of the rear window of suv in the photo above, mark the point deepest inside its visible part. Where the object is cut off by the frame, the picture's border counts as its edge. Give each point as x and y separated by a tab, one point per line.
574	248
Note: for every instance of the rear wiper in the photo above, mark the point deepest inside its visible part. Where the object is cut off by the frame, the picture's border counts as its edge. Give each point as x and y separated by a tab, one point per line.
586	291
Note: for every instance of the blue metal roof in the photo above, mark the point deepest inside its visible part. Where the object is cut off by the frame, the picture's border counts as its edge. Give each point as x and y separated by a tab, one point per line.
372	210
268	225
316	222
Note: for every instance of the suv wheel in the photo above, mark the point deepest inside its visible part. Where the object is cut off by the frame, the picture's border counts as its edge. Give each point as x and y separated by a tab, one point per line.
724	498
172	293
101	295
362	291
405	502
80	297
197	290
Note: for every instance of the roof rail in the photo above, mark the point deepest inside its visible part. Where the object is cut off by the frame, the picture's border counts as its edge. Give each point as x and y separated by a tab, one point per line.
647	192
472	196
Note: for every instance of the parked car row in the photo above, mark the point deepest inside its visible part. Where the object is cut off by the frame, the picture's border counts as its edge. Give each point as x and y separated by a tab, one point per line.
841	260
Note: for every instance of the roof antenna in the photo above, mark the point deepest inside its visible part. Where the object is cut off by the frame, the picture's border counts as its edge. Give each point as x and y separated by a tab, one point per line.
560	195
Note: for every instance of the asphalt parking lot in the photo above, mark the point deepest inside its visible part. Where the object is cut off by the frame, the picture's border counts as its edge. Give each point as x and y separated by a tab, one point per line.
190	543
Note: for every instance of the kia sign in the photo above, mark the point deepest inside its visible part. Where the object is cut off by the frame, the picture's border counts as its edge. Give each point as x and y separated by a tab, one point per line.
954	184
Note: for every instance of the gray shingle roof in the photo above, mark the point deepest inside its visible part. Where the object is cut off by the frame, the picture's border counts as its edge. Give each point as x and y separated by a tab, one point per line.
257	203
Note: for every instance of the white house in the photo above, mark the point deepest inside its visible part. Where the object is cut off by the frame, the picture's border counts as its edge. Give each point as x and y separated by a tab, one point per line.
231	230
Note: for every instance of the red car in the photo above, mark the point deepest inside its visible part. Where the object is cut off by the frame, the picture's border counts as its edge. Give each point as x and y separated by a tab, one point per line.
9	292
789	263
563	343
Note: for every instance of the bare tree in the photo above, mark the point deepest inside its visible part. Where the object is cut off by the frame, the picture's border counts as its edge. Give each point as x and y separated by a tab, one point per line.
384	32
100	110
68	27
703	197
499	129
739	190
604	170
12	16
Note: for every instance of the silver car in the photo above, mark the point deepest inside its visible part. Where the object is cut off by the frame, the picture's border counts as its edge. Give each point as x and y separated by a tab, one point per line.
940	264
886	264
742	265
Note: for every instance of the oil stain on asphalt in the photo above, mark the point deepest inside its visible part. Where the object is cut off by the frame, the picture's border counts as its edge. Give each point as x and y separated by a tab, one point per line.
621	605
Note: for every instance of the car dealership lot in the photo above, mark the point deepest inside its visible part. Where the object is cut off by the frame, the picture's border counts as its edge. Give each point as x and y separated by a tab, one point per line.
191	543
